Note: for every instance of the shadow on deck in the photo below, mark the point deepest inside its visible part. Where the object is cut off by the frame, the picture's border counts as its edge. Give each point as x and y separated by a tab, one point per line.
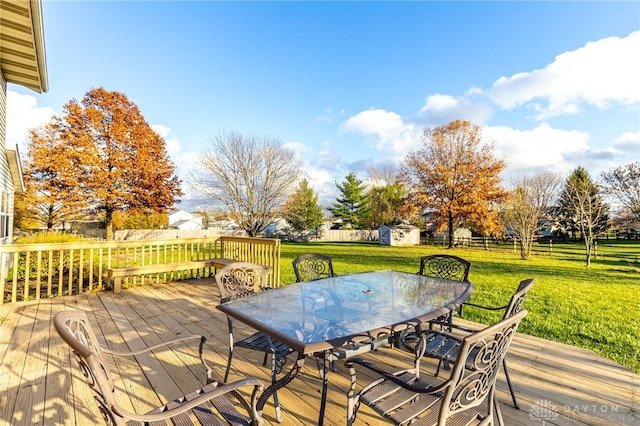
40	383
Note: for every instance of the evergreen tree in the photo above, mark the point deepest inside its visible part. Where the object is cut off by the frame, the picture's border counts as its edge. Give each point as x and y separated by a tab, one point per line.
302	210
353	206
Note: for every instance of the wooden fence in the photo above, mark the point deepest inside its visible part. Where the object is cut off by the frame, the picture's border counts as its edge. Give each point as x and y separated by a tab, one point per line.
32	271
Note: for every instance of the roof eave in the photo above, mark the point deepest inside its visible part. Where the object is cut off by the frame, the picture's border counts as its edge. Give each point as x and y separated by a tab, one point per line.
38	39
15	168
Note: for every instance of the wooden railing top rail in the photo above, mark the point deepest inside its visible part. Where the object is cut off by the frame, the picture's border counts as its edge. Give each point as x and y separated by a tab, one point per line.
257	240
132	243
103	244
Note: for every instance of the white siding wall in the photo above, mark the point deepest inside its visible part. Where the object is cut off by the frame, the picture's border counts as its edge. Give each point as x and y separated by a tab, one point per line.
6	183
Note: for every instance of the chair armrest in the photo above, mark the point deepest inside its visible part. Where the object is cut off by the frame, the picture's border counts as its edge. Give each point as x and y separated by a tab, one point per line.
394	377
202	339
207	393
490	308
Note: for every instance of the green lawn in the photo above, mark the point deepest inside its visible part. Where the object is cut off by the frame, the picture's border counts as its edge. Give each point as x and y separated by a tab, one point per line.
596	308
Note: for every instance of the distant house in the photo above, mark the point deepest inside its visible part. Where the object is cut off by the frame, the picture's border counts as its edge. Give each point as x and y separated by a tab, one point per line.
279	224
23	62
185	221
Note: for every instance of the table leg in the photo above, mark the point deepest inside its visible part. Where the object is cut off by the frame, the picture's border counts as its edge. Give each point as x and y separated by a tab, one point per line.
273	388
325	382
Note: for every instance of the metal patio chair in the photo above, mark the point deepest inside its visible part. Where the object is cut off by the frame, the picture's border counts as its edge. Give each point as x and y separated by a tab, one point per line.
312	266
448	267
237	280
208	404
403	397
445	346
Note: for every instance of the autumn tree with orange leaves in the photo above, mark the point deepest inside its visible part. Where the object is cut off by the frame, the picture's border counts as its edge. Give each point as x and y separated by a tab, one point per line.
101	155
53	194
456	178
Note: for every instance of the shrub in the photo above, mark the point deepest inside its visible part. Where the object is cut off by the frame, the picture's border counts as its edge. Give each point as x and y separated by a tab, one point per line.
45	265
47	237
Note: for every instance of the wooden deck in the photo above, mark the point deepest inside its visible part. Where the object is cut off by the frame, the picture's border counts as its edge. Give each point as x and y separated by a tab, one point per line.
40	383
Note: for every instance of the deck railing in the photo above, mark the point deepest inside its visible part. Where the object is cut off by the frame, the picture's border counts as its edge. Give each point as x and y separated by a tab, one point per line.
33	271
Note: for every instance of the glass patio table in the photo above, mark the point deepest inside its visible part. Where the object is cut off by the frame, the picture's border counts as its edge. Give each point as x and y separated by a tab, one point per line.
317	317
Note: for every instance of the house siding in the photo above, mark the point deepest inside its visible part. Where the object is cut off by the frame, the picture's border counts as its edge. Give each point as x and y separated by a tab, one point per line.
6	182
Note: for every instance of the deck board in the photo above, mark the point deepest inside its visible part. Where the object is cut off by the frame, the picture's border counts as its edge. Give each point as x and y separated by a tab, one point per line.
40	383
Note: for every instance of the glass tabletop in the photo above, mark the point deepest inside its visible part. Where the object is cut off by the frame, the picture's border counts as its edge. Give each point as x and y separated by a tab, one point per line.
331	312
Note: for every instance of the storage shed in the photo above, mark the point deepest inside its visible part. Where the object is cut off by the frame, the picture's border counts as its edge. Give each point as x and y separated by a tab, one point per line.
399	235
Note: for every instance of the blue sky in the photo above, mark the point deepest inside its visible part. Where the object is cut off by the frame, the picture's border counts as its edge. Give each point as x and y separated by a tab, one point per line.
348	85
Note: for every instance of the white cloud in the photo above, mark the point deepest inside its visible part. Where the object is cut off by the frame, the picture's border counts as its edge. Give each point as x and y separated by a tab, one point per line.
442	109
601	73
326	116
172	143
24	114
388	132
298	148
323	183
629	143
542	148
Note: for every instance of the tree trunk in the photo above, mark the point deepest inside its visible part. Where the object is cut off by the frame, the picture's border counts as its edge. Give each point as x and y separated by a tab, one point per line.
108	219
450	230
588	244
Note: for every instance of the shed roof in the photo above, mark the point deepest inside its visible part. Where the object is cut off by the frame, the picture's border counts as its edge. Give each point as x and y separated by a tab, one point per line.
22	52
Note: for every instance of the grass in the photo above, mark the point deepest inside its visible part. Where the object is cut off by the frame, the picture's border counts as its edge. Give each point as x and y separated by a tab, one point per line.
597	308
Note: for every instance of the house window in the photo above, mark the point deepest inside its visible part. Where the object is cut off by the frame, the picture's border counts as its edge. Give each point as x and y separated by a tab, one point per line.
4	215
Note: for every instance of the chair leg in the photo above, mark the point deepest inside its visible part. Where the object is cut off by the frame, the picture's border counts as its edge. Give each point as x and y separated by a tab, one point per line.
230	356
322	369
506	373
450	320
497	410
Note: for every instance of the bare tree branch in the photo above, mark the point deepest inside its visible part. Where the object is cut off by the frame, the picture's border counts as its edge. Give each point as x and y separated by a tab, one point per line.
531	200
251	176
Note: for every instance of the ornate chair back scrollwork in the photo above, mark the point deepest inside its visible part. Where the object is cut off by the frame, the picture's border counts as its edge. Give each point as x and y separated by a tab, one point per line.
240	279
312	266
445	266
404	397
207	403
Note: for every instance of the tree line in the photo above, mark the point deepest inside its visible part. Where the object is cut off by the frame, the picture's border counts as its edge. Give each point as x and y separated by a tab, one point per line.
102	158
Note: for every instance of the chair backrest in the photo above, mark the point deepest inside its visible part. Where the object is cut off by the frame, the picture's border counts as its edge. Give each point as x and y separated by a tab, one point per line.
445	266
240	279
474	373
312	266
74	328
517	300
